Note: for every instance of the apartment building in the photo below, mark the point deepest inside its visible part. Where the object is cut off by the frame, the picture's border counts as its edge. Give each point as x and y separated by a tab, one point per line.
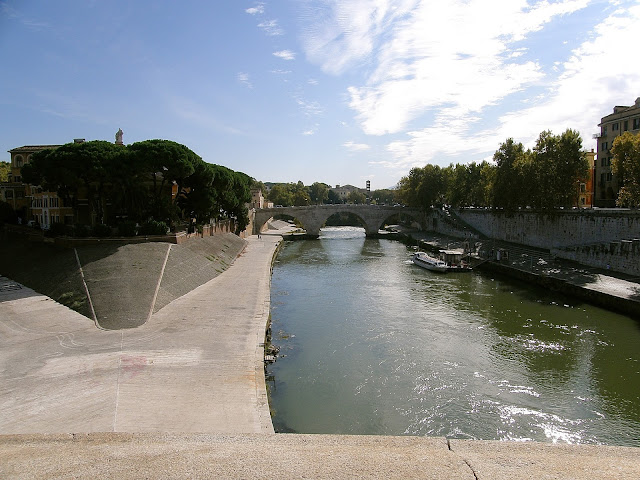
30	202
623	119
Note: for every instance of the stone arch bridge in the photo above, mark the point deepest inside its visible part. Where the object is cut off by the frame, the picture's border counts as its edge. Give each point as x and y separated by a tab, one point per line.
313	217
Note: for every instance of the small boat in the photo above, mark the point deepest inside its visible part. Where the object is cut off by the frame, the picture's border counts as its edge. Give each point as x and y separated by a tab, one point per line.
425	261
454	261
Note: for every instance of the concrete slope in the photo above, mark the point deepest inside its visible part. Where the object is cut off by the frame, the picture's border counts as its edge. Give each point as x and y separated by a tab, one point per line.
128	282
196	262
196	366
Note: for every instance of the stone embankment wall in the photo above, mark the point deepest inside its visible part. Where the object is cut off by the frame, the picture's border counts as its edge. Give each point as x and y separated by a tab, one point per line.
600	238
443	222
622	256
556	229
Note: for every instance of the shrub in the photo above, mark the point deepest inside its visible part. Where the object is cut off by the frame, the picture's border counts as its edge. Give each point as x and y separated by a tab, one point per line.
57	229
80	231
153	227
127	229
101	231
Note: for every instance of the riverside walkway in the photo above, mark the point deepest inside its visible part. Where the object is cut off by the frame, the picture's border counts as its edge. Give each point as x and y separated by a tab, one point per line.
183	396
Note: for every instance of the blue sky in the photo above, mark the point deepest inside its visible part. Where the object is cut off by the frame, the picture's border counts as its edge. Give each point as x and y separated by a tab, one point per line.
338	91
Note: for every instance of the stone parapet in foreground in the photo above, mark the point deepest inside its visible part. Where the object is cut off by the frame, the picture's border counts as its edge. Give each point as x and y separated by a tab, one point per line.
121	455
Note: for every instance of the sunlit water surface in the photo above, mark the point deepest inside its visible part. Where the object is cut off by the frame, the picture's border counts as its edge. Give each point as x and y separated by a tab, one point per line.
377	345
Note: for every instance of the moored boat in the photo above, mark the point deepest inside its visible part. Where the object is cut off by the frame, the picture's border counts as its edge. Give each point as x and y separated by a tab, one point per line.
425	261
454	261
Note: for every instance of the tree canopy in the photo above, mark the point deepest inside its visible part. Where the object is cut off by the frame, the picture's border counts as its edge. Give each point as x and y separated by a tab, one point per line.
154	179
544	177
626	165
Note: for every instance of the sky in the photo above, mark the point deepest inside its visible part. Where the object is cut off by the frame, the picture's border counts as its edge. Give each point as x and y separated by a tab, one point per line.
335	91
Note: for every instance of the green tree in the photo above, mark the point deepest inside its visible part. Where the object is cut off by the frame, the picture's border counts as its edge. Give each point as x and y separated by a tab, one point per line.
356	197
333	197
73	167
281	194
166	162
5	168
300	195
559	163
423	187
319	193
383	196
509	189
626	166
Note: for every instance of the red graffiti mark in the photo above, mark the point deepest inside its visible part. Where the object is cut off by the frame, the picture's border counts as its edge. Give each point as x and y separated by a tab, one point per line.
133	365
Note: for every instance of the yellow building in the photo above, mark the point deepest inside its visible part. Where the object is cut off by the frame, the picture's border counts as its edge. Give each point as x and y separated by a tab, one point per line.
30	202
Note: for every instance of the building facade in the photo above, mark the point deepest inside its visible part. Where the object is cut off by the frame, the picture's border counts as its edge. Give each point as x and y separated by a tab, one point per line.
30	202
585	186
606	184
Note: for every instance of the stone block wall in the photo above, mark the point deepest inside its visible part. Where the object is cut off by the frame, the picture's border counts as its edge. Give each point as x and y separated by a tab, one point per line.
556	229
622	256
601	238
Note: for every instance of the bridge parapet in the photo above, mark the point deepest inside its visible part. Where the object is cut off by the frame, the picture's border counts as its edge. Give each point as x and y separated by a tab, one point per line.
313	217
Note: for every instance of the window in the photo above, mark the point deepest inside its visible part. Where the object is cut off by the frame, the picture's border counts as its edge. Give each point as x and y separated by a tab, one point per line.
8	194
614	127
636	123
583	188
17	179
604	146
609	176
626	125
18	159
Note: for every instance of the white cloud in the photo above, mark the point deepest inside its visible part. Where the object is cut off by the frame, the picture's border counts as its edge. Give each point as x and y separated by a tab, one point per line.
452	80
271	28
257	9
285	54
309	132
244	79
597	76
356	147
309	108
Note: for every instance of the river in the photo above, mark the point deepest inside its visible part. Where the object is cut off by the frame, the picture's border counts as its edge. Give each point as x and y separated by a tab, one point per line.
372	344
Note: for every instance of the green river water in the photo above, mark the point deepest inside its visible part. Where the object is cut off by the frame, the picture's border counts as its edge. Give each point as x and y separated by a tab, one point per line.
373	344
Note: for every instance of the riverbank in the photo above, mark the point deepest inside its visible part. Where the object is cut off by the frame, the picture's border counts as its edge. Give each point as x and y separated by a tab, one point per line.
616	292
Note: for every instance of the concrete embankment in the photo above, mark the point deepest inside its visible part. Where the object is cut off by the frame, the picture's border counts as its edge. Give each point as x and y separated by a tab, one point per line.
195	366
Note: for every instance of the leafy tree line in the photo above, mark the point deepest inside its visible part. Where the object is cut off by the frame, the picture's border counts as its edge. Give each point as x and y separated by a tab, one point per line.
298	195
134	182
544	177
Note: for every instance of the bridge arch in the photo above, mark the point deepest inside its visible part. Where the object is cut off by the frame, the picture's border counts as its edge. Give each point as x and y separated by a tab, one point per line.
313	217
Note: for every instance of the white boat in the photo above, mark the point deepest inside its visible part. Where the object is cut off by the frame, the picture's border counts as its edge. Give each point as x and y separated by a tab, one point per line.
425	261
